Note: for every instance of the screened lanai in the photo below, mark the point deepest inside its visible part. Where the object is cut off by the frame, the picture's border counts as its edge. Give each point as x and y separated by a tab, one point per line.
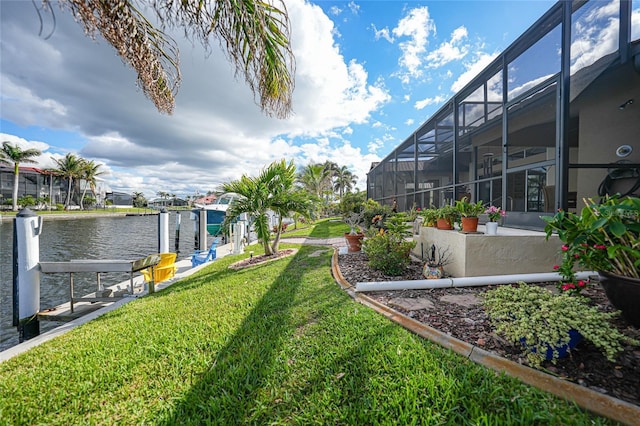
553	120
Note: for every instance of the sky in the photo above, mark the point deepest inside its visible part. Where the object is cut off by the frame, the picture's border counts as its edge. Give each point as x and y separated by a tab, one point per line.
368	74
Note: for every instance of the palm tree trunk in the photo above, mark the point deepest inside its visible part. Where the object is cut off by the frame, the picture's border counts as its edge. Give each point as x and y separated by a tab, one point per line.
276	240
16	170
66	204
84	192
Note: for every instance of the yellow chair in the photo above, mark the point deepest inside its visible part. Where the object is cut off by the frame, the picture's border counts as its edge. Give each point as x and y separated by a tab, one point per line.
164	270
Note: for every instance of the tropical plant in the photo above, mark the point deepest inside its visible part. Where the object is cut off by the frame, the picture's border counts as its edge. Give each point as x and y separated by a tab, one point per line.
468	209
69	167
535	319
603	237
14	154
372	208
352	202
354	220
495	213
429	216
449	213
344	181
314	179
255	35
138	199
27	201
389	251
273	189
89	172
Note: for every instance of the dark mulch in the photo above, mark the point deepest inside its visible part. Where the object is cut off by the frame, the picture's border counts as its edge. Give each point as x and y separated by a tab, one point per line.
586	366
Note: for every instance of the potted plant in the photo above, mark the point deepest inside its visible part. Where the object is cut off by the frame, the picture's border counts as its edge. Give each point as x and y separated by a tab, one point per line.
469	213
429	217
547	325
495	214
354	236
447	216
604	237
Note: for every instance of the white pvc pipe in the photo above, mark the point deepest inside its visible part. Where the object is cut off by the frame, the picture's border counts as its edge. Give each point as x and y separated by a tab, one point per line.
466	281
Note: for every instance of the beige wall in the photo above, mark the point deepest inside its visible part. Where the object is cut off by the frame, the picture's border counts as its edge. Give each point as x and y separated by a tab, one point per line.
512	251
603	126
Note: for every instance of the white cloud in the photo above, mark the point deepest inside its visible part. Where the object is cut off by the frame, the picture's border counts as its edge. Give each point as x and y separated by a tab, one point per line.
383	33
417	26
429	101
452	50
409	122
216	134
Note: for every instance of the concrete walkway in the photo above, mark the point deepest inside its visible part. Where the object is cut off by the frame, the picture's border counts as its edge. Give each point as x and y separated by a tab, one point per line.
184	270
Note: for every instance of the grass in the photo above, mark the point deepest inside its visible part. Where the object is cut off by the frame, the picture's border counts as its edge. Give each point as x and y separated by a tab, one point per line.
277	343
323	228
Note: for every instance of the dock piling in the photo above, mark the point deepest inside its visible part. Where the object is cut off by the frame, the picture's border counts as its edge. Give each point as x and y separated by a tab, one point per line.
26	273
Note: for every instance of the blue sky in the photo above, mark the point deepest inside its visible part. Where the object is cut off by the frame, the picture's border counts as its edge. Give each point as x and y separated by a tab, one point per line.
368	74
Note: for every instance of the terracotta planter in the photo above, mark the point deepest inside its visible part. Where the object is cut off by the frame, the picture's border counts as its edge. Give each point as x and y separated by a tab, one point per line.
444	224
624	295
354	241
469	224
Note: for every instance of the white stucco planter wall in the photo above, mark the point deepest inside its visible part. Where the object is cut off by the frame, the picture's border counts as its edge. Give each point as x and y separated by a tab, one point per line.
512	251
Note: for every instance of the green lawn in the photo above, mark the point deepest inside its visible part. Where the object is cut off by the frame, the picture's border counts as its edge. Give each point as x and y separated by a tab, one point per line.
278	343
323	228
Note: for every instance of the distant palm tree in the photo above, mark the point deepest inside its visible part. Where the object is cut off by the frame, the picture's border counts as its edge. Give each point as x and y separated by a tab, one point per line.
89	172
273	189
344	181
315	179
138	199
16	155
254	33
69	167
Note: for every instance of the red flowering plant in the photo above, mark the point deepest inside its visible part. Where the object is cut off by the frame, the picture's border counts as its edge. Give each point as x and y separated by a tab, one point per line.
603	237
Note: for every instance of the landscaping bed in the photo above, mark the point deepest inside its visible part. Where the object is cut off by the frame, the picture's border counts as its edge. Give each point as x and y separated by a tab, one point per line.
459	313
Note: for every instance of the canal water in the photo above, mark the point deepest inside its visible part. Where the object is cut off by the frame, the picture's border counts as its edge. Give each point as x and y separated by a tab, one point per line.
122	237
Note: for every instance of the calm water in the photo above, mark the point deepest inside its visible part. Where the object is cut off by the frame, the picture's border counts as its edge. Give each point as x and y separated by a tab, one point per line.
130	237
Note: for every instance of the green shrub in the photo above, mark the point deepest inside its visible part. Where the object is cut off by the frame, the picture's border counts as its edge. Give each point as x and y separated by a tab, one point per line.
388	251
544	319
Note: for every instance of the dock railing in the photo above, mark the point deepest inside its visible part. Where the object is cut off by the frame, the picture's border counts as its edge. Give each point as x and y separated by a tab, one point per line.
100	266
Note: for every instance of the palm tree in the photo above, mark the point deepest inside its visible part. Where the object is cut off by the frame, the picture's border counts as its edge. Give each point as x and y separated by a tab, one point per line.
16	155
344	181
69	167
315	179
89	172
272	190
254	33
138	199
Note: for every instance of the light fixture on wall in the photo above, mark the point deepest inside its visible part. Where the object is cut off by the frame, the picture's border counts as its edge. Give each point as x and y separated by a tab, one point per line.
624	150
626	104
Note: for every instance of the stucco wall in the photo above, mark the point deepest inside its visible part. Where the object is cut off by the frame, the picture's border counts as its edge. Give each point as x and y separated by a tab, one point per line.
512	251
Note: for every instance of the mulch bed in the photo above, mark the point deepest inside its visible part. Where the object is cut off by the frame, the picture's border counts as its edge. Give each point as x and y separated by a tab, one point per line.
586	365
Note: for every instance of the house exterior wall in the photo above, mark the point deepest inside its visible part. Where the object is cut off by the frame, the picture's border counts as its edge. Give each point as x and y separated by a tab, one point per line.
535	131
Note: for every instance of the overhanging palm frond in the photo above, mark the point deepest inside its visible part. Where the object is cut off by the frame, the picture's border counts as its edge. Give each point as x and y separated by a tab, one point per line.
254	34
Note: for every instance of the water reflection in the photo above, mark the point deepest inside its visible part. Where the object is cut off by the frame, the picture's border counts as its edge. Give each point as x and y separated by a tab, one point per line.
129	237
